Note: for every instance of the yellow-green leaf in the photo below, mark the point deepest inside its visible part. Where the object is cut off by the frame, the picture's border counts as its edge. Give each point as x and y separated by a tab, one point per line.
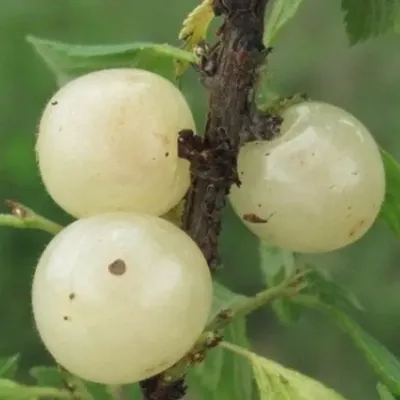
194	31
282	12
276	382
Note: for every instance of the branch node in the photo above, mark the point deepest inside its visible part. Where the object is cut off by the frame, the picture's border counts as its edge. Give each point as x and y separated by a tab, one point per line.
158	388
17	209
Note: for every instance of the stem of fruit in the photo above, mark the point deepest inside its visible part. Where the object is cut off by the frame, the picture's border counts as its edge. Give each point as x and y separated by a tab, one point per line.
236	349
213	335
23	217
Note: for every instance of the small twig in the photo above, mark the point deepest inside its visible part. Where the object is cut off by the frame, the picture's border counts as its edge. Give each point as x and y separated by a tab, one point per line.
236	349
22	217
212	335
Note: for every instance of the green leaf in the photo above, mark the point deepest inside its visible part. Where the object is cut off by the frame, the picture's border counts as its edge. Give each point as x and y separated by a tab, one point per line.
194	30
331	292
276	265
368	18
384	393
9	366
390	211
10	390
68	61
384	363
282	11
276	382
274	260
58	378
224	298
222	376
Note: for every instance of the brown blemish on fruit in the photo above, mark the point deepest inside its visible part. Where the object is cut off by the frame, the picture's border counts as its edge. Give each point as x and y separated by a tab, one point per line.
54	103
254	218
71	296
357	227
66	318
117	267
166	154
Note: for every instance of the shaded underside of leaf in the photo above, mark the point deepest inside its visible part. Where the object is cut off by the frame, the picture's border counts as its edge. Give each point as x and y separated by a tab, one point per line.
68	61
367	18
384	363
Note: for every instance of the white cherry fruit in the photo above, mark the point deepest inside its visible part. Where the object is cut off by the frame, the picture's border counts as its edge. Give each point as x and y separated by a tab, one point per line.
120	297
107	142
315	188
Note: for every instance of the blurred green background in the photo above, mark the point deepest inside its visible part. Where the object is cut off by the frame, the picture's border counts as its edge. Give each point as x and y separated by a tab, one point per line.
312	55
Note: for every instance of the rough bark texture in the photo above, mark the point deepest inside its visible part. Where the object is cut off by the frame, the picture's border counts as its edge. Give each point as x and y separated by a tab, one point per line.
229	72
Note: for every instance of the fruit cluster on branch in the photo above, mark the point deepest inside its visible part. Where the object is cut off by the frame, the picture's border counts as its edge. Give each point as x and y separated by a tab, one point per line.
122	295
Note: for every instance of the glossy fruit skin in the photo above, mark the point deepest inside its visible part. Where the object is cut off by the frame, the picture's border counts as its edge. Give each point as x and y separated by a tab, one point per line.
315	188
107	142
120	297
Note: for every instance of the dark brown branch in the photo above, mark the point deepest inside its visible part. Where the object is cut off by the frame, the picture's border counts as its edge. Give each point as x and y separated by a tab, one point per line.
229	70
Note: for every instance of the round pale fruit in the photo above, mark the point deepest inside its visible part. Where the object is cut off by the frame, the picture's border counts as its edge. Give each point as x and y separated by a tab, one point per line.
107	142
315	188
120	297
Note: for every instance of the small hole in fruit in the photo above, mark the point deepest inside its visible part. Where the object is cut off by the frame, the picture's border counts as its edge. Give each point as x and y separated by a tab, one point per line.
71	296
118	267
66	318
259	205
54	103
166	154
